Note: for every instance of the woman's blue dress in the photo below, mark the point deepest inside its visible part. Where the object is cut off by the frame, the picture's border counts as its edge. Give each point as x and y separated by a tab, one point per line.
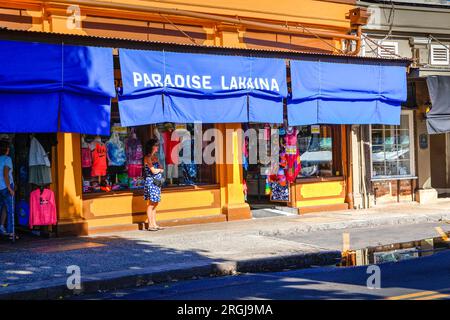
151	191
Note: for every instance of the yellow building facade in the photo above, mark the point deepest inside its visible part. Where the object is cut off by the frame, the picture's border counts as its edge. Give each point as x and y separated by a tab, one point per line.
285	25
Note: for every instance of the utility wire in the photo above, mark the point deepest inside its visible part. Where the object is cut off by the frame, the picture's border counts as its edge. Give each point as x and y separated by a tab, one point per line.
176	27
385	49
372	49
390	20
438	41
326	42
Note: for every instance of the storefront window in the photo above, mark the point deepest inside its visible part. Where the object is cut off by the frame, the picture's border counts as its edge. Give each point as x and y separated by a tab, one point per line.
392	148
315	144
115	163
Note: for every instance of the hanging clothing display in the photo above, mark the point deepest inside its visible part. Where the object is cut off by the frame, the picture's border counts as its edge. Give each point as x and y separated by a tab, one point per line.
135	155
170	147
40	175
39	165
116	151
134	150
293	165
277	183
37	155
86	158
279	193
99	164
189	171
42	208
245	154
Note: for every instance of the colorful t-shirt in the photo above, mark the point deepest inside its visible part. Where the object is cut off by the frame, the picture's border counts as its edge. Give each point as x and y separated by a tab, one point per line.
116	153
99	160
42	208
134	151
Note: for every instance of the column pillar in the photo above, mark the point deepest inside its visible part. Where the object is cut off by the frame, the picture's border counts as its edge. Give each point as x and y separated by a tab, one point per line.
355	159
69	182
230	173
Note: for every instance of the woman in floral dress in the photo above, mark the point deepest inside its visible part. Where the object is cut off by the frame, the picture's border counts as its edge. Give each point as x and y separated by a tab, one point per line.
152	192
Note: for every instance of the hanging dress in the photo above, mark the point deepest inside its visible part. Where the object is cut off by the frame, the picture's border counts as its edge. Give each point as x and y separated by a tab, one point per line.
293	156
39	165
135	154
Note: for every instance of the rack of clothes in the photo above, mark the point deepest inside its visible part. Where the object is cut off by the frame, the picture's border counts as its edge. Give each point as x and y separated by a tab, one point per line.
34	205
283	173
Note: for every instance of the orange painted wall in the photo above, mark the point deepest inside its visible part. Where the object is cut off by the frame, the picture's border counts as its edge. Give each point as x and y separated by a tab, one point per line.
314	14
227	197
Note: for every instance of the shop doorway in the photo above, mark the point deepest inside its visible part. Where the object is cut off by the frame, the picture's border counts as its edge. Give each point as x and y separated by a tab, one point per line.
440	168
266	194
33	157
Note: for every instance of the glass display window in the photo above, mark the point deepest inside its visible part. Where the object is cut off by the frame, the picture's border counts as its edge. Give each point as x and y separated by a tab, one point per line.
116	162
392	149
316	150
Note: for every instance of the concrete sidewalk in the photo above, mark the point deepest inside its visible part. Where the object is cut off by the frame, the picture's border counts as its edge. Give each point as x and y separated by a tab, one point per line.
37	269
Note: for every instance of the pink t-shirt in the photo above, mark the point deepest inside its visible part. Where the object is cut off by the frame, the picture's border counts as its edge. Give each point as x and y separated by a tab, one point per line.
42	208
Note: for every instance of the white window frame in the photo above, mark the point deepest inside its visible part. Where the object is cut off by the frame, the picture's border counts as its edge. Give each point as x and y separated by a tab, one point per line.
387	43
412	166
439	63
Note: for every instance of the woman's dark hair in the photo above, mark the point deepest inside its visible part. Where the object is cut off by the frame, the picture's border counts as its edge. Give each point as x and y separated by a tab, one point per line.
4	145
149	146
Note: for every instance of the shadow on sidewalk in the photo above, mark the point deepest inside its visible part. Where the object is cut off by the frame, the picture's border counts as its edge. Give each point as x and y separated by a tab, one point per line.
47	259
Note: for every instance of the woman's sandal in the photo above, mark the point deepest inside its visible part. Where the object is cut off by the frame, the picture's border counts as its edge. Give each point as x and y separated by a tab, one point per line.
160	228
152	229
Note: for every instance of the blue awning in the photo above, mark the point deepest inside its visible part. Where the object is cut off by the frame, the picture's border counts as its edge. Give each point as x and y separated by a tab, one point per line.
200	88
55	87
345	93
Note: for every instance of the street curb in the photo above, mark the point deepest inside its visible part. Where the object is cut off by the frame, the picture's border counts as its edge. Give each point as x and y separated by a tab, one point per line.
363	223
57	289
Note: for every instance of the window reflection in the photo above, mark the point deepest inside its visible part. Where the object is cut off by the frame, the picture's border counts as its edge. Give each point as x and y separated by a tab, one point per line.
391	154
315	145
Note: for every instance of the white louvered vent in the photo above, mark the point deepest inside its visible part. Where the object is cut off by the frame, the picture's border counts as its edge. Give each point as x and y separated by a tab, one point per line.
387	49
439	55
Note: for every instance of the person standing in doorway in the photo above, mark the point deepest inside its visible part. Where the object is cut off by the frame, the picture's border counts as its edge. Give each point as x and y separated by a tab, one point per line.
153	182
6	190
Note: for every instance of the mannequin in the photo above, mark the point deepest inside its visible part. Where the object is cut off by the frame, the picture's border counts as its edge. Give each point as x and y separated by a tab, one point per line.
99	154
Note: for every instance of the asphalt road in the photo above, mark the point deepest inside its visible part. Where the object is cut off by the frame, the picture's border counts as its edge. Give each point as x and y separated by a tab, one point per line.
423	278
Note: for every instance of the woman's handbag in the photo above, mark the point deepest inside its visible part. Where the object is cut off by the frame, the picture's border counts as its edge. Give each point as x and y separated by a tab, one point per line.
158	180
